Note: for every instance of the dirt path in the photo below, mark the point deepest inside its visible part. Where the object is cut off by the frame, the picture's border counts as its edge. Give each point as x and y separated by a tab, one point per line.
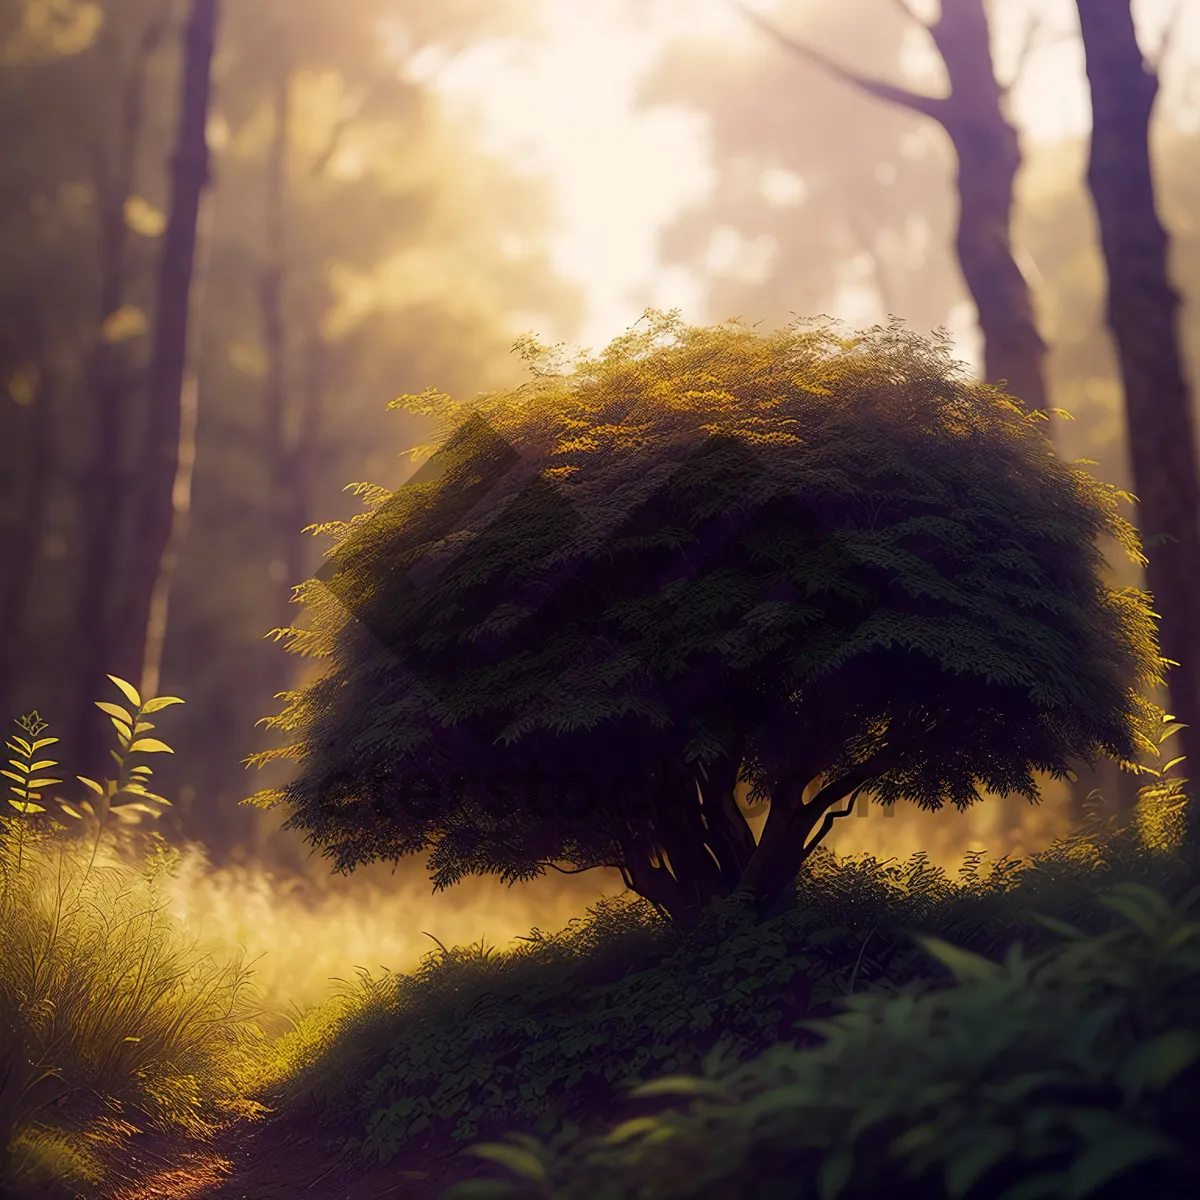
271	1160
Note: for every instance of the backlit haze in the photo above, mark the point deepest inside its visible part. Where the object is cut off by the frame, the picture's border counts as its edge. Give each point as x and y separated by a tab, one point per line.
563	109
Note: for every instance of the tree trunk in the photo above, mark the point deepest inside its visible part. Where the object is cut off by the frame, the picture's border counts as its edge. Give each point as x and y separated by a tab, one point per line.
28	527
1142	313
273	313
989	157
105	485
181	492
155	514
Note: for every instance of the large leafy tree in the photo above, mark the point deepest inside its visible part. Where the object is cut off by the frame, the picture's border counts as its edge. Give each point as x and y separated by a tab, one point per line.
826	566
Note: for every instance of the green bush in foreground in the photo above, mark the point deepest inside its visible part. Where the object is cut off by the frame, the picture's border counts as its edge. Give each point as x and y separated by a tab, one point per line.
1058	1075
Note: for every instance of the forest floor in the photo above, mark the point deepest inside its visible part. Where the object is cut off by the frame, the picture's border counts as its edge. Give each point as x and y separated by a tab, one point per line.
273	1159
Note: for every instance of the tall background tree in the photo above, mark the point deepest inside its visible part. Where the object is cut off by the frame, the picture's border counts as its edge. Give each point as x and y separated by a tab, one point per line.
1142	313
409	254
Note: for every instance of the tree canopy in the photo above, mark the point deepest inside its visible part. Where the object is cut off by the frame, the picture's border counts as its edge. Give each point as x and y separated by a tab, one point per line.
827	565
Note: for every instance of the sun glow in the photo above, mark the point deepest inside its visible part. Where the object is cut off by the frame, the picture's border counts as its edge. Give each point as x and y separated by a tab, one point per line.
564	109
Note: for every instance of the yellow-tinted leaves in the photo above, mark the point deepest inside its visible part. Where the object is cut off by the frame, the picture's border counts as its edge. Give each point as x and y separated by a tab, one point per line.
150	746
26	806
114	710
679	1085
129	691
159	702
518	1159
91	783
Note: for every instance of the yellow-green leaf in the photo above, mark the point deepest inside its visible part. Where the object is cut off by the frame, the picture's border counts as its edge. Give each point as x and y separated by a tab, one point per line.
142	727
631	1129
150	746
678	1085
130	692
19	778
91	783
70	810
965	965
42	742
26	806
22	746
43	783
43	765
1156	1062
141	770
158	702
517	1159
114	710
16	762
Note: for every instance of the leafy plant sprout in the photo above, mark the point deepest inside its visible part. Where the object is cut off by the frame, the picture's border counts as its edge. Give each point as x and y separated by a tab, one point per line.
127	797
27	783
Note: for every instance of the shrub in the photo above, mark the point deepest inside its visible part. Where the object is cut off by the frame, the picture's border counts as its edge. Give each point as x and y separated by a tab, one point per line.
1067	1073
826	566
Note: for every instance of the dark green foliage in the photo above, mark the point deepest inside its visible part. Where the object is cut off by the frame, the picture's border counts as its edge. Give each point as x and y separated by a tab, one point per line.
829	566
1063	1074
550	1036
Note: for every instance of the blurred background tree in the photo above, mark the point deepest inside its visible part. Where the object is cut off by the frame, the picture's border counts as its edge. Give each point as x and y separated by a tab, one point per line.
358	250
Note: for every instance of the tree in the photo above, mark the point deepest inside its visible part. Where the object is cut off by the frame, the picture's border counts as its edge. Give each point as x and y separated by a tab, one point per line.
825	566
153	555
1142	311
989	156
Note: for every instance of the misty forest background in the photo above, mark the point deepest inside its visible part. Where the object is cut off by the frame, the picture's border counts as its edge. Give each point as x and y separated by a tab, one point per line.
358	242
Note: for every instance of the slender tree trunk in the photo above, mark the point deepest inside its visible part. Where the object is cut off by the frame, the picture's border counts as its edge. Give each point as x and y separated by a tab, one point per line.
181	492
1143	317
28	527
155	514
989	157
273	307
105	484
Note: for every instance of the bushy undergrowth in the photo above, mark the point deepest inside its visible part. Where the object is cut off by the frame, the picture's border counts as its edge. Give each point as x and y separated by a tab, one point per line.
1066	1070
1064	1074
550	1036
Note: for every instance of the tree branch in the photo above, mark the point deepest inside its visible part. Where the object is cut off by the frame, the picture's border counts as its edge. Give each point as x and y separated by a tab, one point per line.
1167	40
577	870
830	817
929	106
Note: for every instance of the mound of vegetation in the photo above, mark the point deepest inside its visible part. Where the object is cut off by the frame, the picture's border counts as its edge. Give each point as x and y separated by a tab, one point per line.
550	1036
1069	1069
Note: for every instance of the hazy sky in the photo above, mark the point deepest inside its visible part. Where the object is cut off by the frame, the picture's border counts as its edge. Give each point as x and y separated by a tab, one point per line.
564	108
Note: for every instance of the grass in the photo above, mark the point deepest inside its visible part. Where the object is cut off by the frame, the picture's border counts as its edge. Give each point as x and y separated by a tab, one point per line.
113	1019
